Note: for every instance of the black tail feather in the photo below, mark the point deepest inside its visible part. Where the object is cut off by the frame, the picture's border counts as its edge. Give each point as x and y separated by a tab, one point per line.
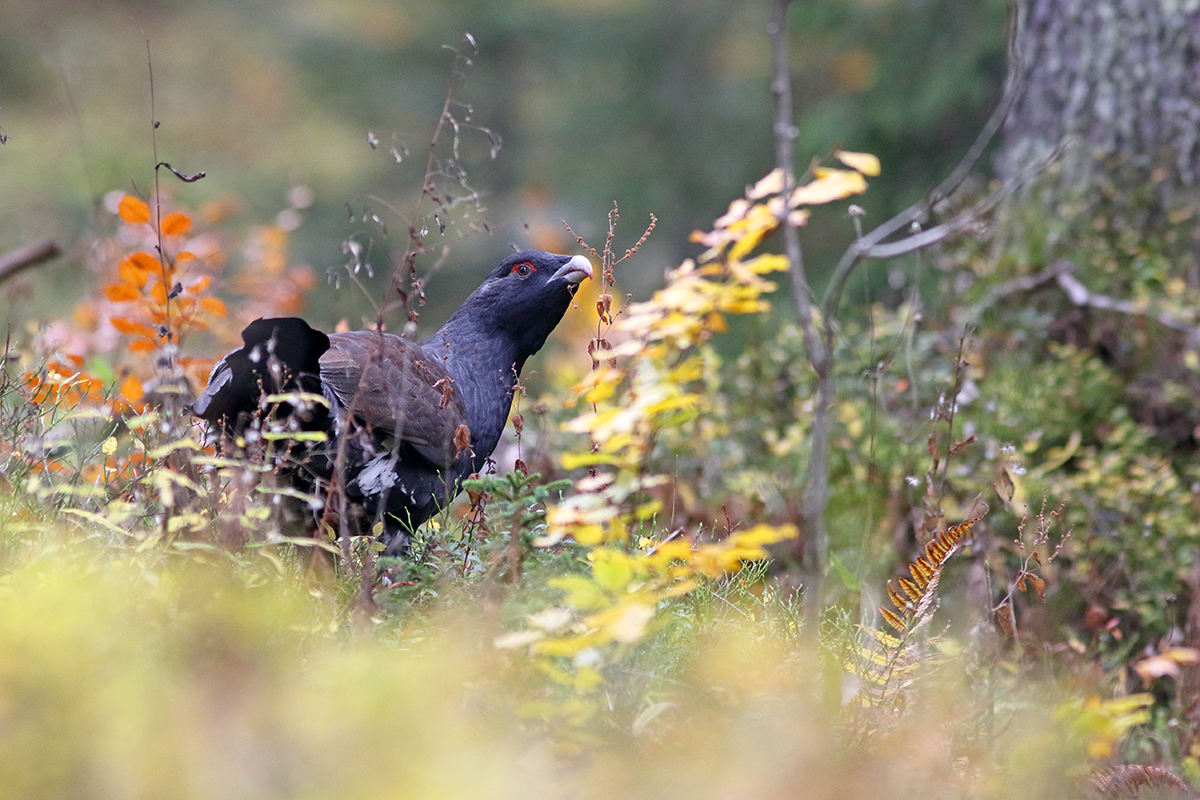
279	355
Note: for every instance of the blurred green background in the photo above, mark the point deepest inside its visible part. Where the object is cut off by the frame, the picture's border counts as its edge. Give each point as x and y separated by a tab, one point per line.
663	107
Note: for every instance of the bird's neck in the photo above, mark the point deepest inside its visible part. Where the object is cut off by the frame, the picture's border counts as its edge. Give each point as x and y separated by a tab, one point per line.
484	369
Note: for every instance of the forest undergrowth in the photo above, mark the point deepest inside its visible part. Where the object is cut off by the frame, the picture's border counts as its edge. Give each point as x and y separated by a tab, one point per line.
1011	551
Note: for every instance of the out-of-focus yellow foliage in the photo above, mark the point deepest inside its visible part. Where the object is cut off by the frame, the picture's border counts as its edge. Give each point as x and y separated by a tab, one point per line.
128	675
1098	724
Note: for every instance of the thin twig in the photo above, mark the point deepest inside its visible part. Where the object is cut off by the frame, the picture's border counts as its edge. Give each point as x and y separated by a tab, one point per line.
672	536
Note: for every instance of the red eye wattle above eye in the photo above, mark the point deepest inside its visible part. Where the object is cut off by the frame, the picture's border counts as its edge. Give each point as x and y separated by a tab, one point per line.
524	269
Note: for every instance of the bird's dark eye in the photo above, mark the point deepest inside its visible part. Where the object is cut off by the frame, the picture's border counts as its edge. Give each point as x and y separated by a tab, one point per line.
524	269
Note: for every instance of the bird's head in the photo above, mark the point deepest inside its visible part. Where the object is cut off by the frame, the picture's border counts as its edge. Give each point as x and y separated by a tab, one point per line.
525	297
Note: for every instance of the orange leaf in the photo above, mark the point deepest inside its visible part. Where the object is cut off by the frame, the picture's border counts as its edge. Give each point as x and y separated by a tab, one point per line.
145	261
141	346
184	256
158	293
176	224
213	305
131	389
200	285
133	210
128	326
132	274
121	292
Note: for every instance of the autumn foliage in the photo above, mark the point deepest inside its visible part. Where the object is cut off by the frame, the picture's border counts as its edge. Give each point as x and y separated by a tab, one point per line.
614	606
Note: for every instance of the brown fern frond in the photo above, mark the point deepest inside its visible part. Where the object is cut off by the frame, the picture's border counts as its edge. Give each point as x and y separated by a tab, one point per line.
893	619
935	551
1136	780
887	667
941	545
918	595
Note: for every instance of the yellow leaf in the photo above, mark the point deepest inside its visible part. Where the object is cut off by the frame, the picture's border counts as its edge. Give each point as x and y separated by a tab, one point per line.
588	534
771	183
647	510
626	623
133	210
132	328
587	678
865	163
131	389
131	273
581	592
830	185
768	262
575	460
612	571
564	647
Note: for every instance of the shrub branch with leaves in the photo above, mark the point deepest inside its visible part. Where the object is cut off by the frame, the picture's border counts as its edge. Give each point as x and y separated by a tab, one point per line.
650	385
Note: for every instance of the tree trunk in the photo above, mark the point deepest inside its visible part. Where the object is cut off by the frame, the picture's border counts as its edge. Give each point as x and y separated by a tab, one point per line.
1121	79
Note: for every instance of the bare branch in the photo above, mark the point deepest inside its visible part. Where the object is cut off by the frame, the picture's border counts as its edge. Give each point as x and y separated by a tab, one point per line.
814	546
1080	295
1024	283
919	211
15	261
181	175
785	139
870	246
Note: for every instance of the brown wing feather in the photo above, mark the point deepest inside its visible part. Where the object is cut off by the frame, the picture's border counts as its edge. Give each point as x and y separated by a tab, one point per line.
393	388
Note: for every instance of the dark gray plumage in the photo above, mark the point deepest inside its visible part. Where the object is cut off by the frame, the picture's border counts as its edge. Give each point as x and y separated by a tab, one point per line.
410	421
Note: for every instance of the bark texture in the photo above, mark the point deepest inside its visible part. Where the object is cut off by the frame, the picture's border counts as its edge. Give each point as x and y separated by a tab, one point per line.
1122	79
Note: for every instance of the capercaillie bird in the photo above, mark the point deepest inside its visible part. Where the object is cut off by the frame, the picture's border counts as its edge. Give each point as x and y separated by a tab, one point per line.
403	423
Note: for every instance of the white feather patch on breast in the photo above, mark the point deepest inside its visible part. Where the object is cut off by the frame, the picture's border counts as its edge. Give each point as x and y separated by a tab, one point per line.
378	475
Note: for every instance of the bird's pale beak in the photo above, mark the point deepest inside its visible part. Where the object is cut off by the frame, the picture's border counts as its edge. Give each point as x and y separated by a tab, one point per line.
575	270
